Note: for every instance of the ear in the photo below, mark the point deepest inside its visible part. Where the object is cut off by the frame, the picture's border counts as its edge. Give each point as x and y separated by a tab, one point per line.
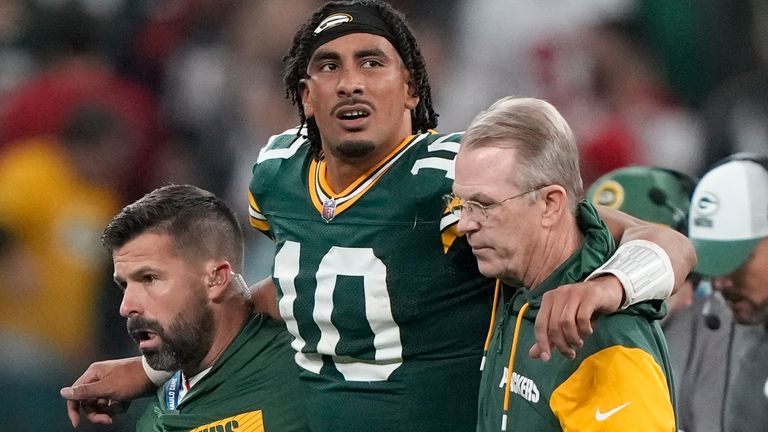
219	280
411	98
555	201
306	105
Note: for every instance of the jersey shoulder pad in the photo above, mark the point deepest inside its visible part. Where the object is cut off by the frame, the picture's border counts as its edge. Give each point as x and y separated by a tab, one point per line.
283	145
280	153
432	144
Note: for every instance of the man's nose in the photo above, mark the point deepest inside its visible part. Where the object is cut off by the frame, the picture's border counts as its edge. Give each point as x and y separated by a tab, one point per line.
131	303
350	82
467	224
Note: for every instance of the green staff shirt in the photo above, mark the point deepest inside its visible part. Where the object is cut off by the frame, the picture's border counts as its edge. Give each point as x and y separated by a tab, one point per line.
619	381
253	387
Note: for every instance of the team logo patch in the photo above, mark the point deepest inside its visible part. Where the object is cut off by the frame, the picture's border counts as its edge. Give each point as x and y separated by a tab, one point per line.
332	21
707	205
609	194
329	209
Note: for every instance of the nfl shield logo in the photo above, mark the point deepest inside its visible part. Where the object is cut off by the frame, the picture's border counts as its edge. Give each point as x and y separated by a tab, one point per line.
329	209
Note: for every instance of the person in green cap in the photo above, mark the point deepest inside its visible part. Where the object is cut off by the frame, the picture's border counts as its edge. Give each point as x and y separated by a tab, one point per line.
729	228
698	325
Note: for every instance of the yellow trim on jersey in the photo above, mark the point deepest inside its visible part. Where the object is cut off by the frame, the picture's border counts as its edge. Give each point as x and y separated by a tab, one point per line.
246	422
615	389
449	231
255	217
319	188
449	235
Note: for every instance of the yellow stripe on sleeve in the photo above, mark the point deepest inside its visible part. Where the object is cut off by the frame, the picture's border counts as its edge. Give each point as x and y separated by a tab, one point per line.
246	422
616	389
256	218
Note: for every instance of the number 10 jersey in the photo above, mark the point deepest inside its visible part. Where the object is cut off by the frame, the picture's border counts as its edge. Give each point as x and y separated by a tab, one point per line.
384	301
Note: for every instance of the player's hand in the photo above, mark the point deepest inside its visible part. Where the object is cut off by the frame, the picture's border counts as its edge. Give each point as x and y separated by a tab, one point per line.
566	313
105	389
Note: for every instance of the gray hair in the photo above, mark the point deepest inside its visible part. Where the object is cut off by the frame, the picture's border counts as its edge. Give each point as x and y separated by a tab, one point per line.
545	145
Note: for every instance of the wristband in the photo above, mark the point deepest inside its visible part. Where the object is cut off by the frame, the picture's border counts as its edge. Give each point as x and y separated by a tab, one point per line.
644	270
157	377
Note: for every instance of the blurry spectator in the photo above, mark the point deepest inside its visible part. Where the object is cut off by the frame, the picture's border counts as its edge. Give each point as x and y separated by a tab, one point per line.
698	42
16	58
518	47
736	114
55	195
590	59
179	50
633	118
76	74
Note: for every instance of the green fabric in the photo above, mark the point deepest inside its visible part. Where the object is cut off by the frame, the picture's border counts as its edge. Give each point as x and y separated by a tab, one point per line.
416	370
652	194
632	327
722	257
256	372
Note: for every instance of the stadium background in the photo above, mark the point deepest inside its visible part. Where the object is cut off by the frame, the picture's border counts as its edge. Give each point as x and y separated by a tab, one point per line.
192	88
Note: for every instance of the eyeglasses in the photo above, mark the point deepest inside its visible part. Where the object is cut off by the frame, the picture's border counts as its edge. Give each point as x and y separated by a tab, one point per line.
473	209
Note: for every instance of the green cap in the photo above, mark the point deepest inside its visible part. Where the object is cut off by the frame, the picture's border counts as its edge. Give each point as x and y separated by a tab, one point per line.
729	215
656	195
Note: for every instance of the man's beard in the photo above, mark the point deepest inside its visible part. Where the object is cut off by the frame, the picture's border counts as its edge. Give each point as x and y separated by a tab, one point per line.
184	344
353	149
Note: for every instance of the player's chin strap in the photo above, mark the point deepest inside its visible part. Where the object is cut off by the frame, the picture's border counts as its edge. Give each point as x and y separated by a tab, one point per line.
644	270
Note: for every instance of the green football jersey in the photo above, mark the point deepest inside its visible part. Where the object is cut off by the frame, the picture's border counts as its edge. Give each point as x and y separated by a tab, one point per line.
384	300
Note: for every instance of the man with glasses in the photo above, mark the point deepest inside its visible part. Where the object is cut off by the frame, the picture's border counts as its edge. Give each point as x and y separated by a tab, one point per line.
518	193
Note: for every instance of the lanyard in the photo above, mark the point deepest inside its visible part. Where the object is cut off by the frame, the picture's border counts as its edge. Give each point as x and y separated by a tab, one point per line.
172	391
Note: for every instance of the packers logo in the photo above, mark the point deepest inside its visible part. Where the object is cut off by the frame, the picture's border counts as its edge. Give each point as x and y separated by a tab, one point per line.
707	204
332	21
610	194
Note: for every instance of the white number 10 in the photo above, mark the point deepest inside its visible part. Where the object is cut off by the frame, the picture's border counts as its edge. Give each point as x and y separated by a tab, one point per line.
340	261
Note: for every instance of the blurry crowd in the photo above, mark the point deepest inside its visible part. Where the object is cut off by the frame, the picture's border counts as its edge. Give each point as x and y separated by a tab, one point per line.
103	100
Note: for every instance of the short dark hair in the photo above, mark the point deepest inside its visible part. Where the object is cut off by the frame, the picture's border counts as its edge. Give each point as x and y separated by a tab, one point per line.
423	117
199	223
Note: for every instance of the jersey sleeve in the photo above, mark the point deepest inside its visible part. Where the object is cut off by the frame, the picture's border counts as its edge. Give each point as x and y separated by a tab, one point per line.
448	231
615	389
448	145
256	218
265	172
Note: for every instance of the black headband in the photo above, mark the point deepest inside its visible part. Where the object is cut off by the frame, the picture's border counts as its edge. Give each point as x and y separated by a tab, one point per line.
355	18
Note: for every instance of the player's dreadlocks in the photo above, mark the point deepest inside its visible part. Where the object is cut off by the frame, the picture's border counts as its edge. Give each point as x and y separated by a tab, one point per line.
423	117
